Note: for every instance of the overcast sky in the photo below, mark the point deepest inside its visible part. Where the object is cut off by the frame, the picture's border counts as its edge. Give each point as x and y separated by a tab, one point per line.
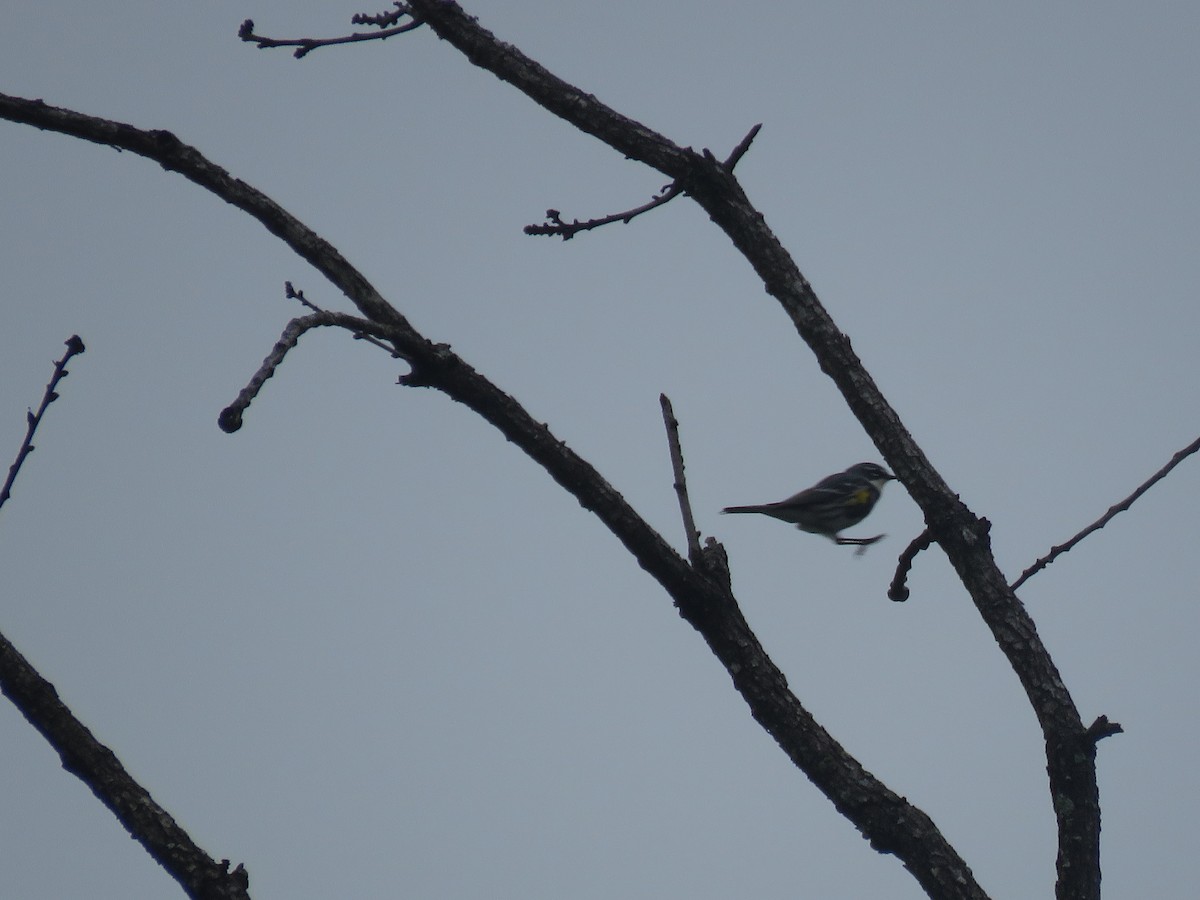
370	650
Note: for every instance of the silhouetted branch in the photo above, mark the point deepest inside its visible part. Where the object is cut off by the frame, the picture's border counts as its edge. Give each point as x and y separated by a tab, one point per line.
95	765
1072	776
33	419
1102	728
743	145
685	505
556	227
886	819
898	590
1059	549
292	294
230	419
304	46
381	20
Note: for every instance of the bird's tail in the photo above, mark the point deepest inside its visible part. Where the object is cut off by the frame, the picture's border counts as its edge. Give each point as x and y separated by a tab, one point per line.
747	509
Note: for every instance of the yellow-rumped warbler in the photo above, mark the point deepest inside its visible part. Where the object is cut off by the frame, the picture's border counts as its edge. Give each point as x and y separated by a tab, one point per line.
831	505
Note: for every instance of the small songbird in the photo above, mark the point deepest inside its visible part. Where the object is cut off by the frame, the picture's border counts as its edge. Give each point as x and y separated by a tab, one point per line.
831	505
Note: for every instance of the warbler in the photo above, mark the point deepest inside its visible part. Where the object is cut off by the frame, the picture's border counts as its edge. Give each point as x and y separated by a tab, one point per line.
831	505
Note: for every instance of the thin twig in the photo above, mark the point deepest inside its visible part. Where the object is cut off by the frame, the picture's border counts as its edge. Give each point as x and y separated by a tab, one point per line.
292	294
555	226
304	46
1060	549
33	419
685	505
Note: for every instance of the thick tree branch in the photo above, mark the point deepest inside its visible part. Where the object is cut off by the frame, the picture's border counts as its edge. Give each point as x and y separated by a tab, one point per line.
1073	787
887	820
202	877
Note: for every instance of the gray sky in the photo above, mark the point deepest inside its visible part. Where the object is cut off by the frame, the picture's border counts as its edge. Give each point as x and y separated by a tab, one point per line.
370	650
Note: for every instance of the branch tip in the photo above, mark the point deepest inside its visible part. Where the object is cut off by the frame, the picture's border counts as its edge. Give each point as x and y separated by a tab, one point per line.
1114	510
32	419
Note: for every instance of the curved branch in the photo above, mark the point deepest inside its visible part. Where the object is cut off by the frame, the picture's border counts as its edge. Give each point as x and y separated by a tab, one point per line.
230	419
898	589
887	820
556	227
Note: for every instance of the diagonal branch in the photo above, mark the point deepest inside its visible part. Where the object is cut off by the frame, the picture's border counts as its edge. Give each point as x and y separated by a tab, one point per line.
202	877
887	820
1059	549
33	419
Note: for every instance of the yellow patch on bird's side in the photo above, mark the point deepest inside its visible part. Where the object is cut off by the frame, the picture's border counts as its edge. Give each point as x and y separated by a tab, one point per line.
862	496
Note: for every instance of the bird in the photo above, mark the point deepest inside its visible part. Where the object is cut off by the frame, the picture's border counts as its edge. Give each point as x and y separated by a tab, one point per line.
832	505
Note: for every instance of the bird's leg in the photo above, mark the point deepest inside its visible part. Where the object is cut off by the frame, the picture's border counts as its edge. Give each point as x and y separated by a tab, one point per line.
858	542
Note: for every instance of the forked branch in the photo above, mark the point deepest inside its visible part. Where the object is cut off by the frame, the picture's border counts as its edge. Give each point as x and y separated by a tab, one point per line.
887	820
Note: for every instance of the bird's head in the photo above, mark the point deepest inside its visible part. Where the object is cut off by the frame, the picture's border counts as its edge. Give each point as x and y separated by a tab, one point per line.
877	475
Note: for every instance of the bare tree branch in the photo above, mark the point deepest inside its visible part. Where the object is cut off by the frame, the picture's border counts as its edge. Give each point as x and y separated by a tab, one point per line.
230	419
33	419
556	227
889	822
304	46
898	590
202	877
359	335
1074	792
1058	549
685	505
